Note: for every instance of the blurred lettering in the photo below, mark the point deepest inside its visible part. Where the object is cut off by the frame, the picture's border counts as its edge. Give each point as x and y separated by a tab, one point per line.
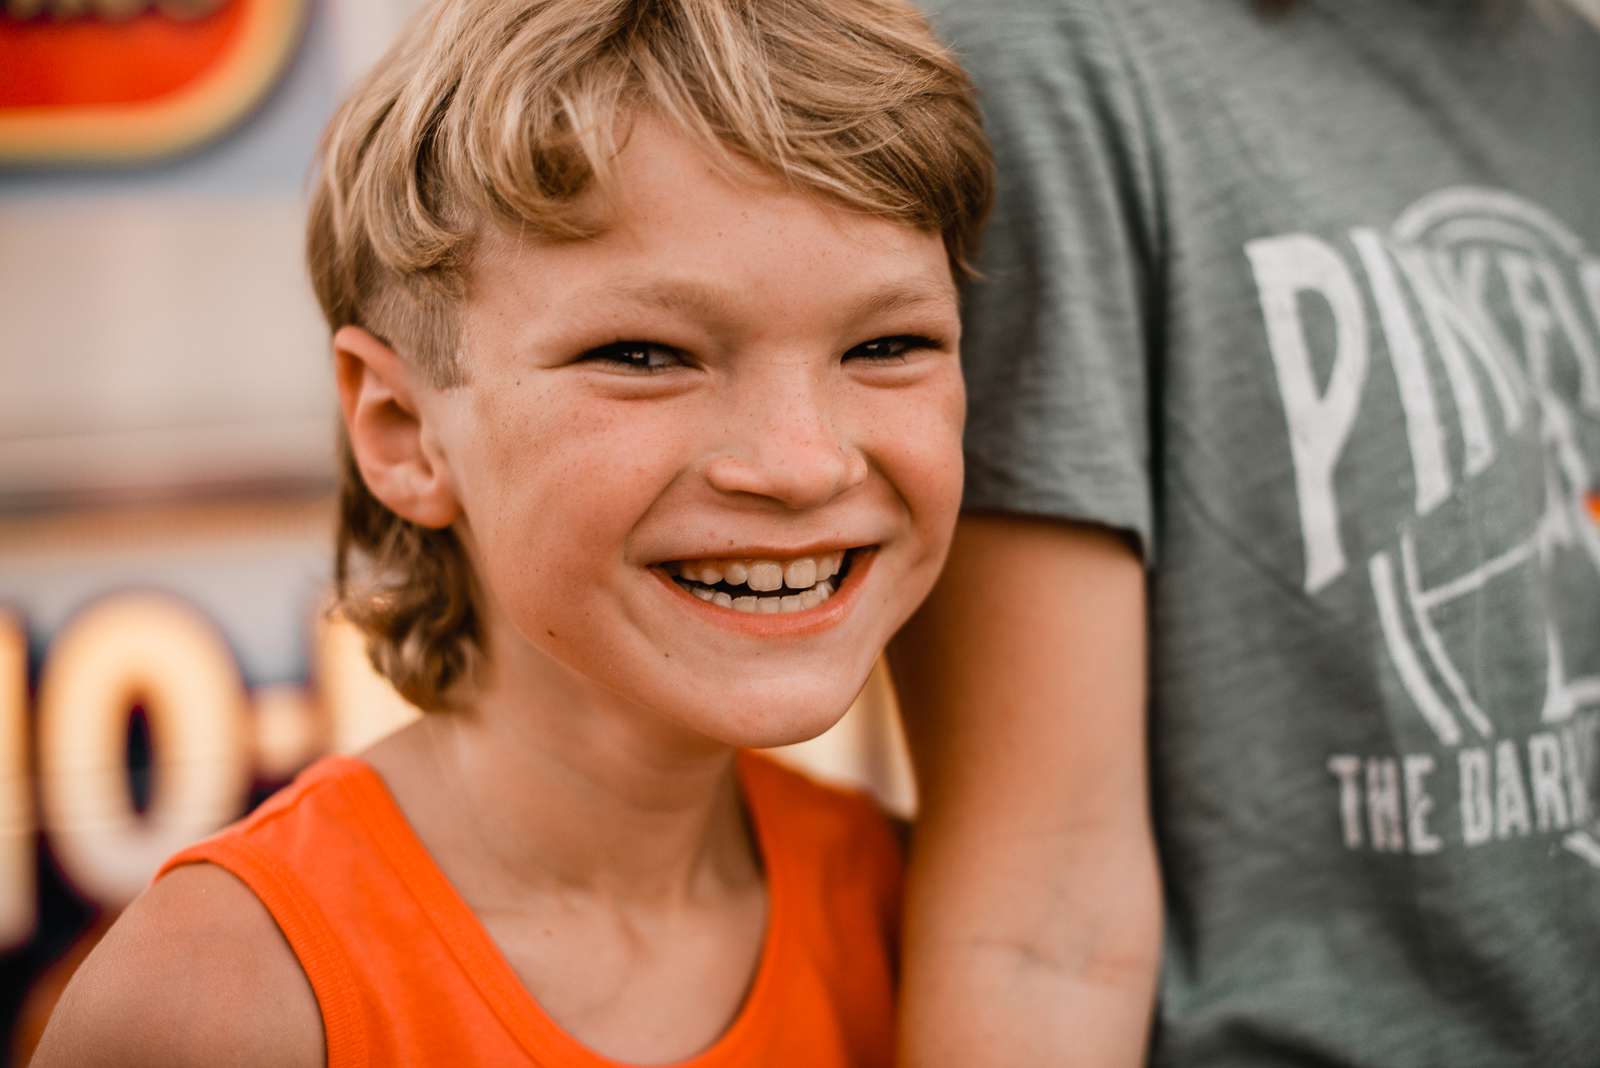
1541	784
18	886
156	652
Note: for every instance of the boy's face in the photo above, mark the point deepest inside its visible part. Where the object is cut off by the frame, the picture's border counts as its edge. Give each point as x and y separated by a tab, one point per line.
730	377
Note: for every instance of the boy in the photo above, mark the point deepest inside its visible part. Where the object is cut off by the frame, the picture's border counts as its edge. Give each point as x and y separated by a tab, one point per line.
646	342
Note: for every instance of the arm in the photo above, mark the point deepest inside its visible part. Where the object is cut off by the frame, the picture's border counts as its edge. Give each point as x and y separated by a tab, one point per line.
1033	929
196	972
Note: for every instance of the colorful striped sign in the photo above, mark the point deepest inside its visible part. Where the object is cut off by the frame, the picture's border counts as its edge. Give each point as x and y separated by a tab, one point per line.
121	81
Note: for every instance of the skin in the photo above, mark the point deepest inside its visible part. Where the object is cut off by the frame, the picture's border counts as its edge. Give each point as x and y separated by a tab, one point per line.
764	420
1034	909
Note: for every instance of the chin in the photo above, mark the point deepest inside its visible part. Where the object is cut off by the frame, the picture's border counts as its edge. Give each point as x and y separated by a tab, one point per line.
778	723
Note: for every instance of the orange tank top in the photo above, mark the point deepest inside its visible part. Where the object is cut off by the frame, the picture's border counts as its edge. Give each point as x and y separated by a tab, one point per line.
405	974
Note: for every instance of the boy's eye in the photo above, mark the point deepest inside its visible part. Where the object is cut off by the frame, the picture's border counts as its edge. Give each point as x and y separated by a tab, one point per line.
889	349
636	355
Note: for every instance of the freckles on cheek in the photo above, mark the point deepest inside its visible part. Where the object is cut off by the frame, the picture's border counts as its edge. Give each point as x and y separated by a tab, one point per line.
944	476
927	441
927	476
527	435
509	478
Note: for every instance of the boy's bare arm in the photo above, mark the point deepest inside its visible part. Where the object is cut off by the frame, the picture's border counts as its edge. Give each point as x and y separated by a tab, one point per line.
1034	918
194	973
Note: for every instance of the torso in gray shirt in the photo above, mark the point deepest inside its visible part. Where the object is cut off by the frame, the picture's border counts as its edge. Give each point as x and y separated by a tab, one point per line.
1311	305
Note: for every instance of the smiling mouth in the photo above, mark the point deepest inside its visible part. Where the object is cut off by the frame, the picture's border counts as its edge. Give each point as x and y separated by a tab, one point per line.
768	587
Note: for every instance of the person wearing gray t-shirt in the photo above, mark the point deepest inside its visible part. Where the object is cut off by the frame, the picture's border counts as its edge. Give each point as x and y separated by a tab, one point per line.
1269	650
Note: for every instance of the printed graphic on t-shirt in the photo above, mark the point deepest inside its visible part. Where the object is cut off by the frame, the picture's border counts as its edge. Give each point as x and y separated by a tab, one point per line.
1485	310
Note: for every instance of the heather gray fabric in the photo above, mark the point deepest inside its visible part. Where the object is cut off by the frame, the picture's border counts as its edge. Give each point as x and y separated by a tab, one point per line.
1311	305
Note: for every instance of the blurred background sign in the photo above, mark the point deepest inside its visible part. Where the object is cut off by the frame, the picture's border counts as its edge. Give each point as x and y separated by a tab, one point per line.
167	418
118	80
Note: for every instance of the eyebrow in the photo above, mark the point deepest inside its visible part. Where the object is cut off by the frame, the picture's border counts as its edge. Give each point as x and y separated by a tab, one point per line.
906	296
721	302
714	301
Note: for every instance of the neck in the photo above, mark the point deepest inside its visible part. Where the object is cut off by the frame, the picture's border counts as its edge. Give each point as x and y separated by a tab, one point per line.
550	782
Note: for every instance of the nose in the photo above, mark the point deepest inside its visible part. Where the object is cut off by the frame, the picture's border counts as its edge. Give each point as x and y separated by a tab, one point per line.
792	450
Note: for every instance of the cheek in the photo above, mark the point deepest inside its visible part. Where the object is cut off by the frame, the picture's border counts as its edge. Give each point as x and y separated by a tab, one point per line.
551	489
919	450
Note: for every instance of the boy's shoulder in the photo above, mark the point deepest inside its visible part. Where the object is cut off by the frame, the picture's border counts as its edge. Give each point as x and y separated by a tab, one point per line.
196	972
201	945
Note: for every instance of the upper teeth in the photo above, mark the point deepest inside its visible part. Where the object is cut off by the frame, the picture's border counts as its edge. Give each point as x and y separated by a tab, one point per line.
762	575
808	574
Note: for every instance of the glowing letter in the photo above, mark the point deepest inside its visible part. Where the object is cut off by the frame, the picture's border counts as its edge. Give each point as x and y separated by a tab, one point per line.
127	649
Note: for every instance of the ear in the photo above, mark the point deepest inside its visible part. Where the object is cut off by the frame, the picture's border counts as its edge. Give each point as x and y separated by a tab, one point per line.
394	445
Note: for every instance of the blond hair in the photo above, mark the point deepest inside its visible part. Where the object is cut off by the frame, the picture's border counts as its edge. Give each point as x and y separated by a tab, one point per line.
505	111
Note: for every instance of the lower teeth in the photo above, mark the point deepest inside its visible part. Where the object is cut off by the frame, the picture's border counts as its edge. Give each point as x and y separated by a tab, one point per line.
794	602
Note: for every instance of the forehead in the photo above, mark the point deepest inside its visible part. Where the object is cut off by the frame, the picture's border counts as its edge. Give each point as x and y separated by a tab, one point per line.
679	233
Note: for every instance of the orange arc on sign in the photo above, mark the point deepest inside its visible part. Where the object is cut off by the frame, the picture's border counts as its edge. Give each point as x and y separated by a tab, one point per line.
75	96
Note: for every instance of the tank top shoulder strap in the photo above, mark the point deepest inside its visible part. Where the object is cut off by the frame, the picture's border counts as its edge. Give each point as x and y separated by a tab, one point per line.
403	971
247	849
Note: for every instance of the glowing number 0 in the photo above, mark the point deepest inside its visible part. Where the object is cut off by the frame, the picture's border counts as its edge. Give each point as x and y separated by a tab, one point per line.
158	652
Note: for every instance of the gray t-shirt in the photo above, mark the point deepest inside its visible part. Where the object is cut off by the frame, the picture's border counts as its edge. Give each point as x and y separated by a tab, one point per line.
1310	305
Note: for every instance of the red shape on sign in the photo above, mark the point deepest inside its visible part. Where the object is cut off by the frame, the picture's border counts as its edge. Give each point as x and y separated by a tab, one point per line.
49	62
